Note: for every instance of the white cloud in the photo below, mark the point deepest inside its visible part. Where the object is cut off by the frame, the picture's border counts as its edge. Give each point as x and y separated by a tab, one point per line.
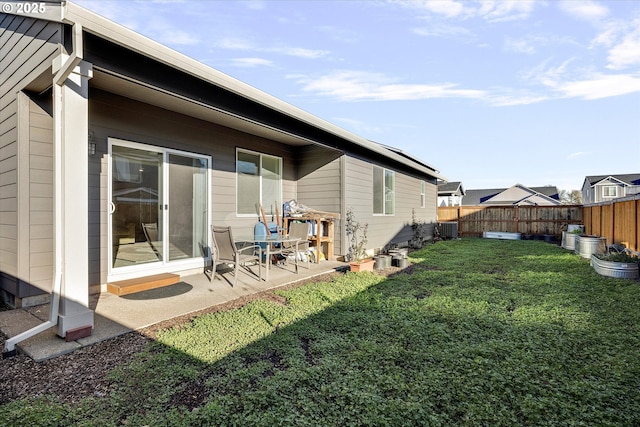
255	4
626	53
359	86
233	43
547	76
446	8
442	30
500	11
299	52
251	62
514	99
488	10
584	9
607	36
576	155
357	126
239	44
172	36
600	86
520	46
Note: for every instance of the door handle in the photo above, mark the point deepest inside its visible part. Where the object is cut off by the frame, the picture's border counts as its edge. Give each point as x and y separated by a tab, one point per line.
112	207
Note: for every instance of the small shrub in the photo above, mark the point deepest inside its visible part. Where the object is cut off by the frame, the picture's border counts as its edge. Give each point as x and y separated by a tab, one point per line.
619	257
357	235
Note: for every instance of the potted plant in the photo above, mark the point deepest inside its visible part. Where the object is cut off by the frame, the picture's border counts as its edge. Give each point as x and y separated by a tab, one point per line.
357	236
621	264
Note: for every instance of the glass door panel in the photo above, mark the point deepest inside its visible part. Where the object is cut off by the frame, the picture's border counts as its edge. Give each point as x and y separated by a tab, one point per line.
188	208
136	197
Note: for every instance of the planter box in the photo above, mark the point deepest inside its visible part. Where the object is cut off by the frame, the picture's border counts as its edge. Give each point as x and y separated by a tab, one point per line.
569	240
366	265
620	270
501	235
587	245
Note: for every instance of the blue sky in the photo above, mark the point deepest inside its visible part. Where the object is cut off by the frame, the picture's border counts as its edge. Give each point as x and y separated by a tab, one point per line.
491	93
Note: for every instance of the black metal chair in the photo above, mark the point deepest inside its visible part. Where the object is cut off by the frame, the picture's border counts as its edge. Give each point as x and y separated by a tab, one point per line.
226	252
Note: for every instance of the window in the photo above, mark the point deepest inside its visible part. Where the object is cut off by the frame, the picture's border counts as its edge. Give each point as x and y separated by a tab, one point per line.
383	191
610	191
259	181
423	194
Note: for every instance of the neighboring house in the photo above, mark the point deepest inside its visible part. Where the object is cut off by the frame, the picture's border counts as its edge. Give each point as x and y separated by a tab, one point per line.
104	130
515	195
450	193
603	188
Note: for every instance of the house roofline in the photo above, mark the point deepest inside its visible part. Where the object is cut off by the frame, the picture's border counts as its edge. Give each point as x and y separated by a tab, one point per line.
71	13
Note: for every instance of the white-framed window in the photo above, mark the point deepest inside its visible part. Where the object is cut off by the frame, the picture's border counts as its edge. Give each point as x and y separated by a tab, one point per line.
423	194
610	191
259	180
384	194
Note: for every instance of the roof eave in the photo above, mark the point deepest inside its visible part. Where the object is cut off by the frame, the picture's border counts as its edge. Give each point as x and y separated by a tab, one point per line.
116	33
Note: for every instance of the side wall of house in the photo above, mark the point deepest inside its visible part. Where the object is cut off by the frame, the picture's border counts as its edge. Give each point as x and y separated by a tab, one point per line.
117	117
387	229
28	47
319	183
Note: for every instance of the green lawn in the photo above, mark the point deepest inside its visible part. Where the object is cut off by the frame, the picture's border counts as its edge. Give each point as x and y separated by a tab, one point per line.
482	332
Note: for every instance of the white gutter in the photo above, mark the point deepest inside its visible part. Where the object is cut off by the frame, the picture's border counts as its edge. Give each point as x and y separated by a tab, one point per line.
58	80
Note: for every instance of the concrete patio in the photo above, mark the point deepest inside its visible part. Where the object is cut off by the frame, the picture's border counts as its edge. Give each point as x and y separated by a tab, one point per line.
116	315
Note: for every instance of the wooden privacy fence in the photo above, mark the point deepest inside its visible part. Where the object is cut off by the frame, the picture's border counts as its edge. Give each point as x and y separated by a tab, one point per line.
474	220
618	222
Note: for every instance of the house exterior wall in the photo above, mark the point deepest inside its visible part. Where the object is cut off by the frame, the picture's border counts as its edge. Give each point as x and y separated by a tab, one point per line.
598	191
386	229
28	47
40	193
453	200
319	183
112	116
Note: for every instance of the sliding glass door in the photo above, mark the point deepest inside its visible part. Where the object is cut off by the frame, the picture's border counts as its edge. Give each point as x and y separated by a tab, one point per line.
158	207
187	217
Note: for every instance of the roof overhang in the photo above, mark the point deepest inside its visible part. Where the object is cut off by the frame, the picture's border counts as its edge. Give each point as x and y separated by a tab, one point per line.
323	133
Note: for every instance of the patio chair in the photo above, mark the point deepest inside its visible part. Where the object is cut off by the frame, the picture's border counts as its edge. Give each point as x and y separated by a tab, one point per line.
226	252
300	251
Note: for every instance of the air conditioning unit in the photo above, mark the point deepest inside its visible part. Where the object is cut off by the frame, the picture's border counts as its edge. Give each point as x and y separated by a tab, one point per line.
448	230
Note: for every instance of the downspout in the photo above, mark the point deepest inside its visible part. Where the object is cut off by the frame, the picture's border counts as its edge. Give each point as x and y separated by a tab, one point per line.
58	81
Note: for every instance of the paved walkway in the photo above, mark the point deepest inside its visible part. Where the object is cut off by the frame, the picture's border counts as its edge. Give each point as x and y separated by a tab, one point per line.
118	315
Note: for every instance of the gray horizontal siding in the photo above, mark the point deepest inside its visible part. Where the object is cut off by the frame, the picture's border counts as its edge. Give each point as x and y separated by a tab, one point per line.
118	117
319	184
27	49
41	191
386	229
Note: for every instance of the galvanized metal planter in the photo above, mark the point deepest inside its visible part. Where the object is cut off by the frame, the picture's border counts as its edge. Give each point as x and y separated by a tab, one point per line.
382	261
501	235
620	270
587	245
569	240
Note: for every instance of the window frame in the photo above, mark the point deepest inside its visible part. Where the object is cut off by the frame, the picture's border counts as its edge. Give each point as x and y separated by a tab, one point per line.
607	188
261	157
386	191
423	194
